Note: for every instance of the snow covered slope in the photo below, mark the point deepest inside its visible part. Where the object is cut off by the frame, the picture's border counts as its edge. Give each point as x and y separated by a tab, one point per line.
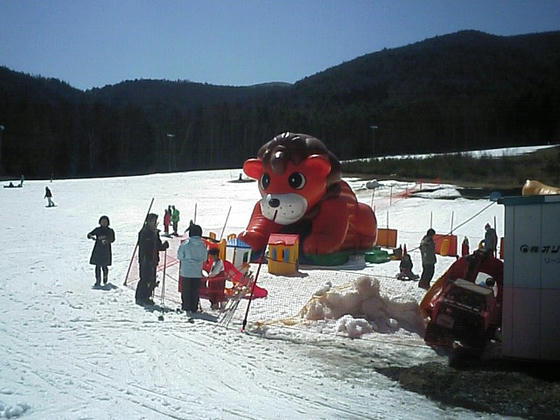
69	351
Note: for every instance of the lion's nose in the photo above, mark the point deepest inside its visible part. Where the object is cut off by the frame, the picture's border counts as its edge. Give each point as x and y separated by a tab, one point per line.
274	202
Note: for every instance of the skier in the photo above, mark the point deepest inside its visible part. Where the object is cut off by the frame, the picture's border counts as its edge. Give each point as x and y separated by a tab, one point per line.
101	255
149	245
175	220
191	253
48	196
427	250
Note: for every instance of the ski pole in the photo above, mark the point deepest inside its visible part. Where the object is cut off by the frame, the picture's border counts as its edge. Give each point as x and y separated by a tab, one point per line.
136	246
252	291
255	282
163	286
163	281
225	223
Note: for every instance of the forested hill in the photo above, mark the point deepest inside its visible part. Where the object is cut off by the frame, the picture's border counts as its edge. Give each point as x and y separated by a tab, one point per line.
454	92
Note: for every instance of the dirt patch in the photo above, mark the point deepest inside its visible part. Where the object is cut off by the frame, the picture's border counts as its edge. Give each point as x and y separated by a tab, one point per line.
500	387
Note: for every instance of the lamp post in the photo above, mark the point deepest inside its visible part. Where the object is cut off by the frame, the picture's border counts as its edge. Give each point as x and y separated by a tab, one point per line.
1	131
373	128
170	137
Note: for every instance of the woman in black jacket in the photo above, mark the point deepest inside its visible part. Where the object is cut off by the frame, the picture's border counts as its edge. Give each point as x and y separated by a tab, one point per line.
101	255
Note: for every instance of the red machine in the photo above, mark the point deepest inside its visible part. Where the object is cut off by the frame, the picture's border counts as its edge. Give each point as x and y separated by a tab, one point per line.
461	311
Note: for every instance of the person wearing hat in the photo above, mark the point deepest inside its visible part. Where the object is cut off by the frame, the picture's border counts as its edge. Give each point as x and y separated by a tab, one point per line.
101	255
490	239
428	252
149	245
191	253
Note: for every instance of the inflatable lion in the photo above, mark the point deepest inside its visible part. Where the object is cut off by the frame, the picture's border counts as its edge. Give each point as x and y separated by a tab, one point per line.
302	192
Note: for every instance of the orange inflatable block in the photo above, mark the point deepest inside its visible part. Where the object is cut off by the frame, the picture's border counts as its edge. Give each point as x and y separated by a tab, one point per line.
446	245
387	238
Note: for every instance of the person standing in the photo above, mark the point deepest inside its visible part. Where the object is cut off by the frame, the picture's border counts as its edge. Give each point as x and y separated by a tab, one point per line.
428	252
48	196
465	247
101	255
166	220
149	245
191	253
490	239
175	220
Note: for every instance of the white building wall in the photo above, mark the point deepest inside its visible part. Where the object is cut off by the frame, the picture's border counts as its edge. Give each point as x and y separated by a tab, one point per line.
531	307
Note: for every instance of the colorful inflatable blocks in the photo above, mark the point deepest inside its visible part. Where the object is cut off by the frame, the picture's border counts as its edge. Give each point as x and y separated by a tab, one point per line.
283	253
336	258
376	256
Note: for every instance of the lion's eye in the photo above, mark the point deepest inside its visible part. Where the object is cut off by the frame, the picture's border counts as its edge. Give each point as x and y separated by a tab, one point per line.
296	180
265	181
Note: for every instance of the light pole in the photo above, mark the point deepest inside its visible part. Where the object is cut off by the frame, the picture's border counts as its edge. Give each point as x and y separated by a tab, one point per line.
1	131
170	137
373	128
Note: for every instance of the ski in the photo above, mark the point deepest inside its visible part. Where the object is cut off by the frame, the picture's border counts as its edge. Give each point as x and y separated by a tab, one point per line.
231	306
203	316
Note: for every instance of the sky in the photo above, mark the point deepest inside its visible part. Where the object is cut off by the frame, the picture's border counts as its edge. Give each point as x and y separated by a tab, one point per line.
235	42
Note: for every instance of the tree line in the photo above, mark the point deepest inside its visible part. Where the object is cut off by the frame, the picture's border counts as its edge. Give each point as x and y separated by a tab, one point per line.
449	93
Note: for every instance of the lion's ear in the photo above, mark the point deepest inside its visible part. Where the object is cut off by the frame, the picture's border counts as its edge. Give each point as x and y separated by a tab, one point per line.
253	168
318	165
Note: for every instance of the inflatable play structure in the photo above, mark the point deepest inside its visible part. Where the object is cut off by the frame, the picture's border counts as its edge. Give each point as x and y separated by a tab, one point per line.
219	288
235	281
283	250
302	192
532	187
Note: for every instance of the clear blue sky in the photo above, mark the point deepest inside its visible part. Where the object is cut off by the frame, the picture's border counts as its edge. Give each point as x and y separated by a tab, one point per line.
234	42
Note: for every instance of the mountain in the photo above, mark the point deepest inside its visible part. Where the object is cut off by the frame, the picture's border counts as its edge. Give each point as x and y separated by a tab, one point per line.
182	95
454	92
448	93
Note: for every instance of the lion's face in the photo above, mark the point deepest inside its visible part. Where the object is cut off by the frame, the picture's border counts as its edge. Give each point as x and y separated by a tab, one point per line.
287	196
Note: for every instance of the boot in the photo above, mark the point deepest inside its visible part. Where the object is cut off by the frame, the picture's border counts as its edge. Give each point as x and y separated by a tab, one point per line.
423	284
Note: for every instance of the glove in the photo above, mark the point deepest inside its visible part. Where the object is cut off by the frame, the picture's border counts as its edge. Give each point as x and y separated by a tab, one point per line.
165	245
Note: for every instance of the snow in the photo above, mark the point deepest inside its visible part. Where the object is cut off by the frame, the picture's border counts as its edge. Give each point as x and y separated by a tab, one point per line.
69	351
495	153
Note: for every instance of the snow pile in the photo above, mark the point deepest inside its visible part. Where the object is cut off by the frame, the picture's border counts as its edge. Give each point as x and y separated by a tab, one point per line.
13	411
353	327
360	309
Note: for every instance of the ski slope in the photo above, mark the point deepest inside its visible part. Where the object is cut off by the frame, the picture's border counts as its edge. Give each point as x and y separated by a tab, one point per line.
68	351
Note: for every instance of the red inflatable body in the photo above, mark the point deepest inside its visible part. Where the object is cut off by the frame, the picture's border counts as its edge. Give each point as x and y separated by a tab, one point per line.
302	193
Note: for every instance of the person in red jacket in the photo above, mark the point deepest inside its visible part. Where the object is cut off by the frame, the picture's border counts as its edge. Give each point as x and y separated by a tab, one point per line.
218	272
167	220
